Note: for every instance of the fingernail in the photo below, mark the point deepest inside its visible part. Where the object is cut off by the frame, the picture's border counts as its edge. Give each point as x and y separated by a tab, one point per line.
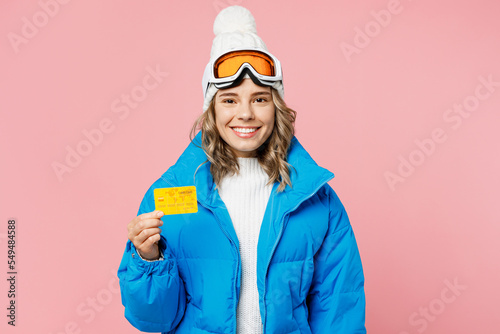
160	214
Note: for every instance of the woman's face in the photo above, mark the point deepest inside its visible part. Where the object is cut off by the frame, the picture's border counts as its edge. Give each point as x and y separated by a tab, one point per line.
244	116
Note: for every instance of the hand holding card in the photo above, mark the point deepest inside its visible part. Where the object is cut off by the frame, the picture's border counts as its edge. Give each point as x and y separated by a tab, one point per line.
144	232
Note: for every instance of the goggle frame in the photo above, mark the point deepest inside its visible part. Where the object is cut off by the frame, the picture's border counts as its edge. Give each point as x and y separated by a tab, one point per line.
264	79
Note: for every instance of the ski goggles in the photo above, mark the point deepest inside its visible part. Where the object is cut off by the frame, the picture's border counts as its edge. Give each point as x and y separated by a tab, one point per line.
229	66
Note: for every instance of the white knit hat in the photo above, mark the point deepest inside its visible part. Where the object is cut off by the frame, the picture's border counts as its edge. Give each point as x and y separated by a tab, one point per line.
234	28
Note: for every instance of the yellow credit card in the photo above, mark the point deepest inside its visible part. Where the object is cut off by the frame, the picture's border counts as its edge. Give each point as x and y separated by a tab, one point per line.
176	200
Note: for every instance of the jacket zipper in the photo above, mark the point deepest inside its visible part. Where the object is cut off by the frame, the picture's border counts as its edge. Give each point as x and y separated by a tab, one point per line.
237	267
276	243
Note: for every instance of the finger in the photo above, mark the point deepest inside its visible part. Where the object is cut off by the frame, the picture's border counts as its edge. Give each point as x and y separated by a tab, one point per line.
148	215
143	224
148	244
142	227
145	234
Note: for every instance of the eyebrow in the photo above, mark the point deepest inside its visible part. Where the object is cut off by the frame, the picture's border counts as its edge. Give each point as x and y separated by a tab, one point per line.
254	94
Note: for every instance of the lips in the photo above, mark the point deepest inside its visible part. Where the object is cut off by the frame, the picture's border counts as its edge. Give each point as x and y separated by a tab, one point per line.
245	131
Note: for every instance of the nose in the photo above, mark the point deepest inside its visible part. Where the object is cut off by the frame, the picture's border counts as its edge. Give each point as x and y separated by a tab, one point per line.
245	112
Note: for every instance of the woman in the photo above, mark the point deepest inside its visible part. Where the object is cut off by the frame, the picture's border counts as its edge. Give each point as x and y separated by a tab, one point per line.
270	248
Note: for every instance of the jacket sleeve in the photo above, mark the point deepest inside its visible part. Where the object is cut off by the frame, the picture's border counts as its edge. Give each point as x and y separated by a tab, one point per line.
336	299
151	291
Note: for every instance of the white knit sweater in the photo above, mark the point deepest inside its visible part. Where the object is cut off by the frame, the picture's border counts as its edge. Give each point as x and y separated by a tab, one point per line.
245	196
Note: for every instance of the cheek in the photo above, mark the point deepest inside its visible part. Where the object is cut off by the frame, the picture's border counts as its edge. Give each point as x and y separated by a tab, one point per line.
222	117
219	121
268	118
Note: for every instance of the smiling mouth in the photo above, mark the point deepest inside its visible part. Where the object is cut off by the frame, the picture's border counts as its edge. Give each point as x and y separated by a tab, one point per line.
245	130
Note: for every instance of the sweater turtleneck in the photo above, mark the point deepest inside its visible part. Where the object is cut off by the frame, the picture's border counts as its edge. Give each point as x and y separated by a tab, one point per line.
245	196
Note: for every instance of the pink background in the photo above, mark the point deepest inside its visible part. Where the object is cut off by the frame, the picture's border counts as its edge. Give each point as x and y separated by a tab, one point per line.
358	115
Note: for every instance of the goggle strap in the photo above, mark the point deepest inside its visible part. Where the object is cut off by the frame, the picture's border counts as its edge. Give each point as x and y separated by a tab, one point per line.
238	80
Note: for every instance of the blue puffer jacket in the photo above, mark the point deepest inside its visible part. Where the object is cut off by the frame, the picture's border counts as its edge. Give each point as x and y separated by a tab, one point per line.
309	273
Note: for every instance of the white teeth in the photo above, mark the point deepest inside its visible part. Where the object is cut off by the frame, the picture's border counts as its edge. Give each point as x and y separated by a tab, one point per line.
245	130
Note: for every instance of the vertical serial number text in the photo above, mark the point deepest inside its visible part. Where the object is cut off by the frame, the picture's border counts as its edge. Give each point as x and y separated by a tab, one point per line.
11	272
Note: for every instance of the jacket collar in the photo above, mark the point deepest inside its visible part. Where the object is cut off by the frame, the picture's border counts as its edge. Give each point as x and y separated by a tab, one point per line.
306	176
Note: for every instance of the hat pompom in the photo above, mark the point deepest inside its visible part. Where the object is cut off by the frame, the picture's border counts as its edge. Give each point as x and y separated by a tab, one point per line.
234	19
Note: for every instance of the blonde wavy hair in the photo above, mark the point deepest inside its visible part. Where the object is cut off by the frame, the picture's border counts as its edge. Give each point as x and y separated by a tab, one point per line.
272	155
